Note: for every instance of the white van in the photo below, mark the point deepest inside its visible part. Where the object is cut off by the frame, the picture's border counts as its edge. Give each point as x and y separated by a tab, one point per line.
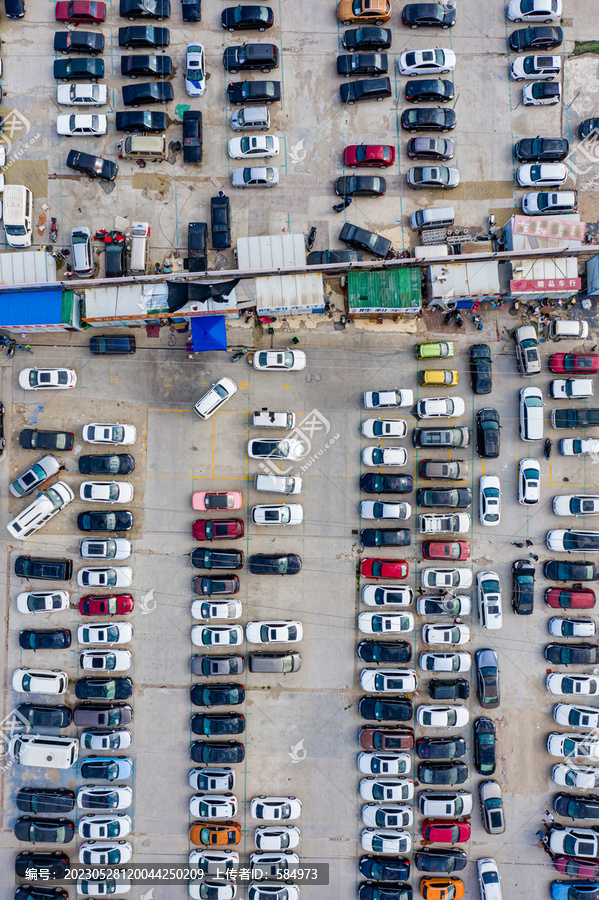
38	513
437	217
267	418
249	118
568	329
18	215
44	750
278	484
140	248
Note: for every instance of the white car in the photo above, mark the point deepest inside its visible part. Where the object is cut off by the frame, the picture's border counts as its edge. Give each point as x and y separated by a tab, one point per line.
213	780
102	827
384	456
34	476
381	840
446	634
98	797
82	95
534	11
279	360
583	777
265	865
385	623
276	837
576	505
489	500
573	746
535	68
425	62
444	804
441	523
216	890
571	388
274	632
488	589
100	433
379	509
527	342
105	853
214	397
39	681
457	577
541	175
195	70
541	93
32	602
542	203
213	806
216	635
251	146
488	873
582	842
276	809
105	660
105	633
263	448
106	491
564	540
53	379
210	610
579	446
437	407
100	577
587	685
255	176
529	482
389	399
387	595
390	790
388	681
278	514
105	548
106	740
93	125
379	763
444	662
213	862
431	716
442	605
565	627
390	815
384	428
273	890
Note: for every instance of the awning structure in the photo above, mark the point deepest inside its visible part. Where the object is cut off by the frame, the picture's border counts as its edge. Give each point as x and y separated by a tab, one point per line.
208	333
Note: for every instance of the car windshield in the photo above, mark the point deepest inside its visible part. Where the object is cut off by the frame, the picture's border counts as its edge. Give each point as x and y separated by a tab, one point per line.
54	497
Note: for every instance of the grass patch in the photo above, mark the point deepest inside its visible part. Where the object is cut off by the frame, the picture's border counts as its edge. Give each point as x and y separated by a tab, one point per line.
581	47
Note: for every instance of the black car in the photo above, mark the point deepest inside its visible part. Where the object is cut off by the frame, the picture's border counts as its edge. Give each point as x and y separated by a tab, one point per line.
372	483
49	866
197	247
97	768
105	521
251	56
14	9
388	710
385	651
117	344
30	439
204	558
572	654
541	149
136	36
437	89
535	37
428	119
92	166
576	806
33	892
247	18
366	240
442	773
93	715
160	66
136	9
109	464
487	678
385	537
43	568
223	723
115	256
324	257
454	498
440	748
44	831
480	368
419	15
365	89
388	868
362	64
359	186
45	800
368	37
370	890
48	639
79	42
430	148
148	92
230	694
192	136
239	92
144	122
487	433
587	127
274	564
220	222
191	10
485	743
523	575
448	689
103	688
574	418
40	716
208	666
88	69
438	861
217	753
556	570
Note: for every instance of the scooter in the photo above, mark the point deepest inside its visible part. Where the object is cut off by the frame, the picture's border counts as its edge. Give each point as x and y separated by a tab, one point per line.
311	238
53	230
548	446
238	354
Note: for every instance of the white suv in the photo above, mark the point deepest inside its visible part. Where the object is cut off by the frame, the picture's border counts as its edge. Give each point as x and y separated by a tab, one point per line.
488	879
214	398
531	414
444	805
527	350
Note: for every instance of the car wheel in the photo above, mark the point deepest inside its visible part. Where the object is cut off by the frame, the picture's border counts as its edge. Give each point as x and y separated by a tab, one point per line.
132	18
231	30
160	18
517	21
346	22
379	99
267	70
132	76
444	27
350	102
413	27
346	76
135	105
378	21
262	29
233	71
413	130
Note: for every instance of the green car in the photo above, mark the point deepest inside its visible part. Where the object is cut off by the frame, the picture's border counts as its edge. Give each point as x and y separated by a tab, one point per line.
442	349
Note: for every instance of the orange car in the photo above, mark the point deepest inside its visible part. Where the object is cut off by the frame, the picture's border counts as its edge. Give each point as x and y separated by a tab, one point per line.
211	834
374	11
441	888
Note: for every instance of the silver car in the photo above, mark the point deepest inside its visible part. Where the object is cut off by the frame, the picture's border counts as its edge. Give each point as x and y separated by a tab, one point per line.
491	807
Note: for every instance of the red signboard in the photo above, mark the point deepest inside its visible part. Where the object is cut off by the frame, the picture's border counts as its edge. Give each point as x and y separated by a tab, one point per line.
536	285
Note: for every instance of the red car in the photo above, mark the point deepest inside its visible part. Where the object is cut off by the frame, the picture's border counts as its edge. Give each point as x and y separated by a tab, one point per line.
109	605
384	568
217	529
574	364
583	868
378	156
88	13
386	739
446	550
557	598
444	831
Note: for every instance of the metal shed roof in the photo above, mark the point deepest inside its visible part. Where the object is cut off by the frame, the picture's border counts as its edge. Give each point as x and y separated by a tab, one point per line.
390	290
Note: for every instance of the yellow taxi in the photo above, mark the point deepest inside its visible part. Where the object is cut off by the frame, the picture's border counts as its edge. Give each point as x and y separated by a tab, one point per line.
439	376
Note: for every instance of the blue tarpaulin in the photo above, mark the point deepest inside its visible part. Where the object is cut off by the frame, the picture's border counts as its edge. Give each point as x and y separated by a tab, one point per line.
208	333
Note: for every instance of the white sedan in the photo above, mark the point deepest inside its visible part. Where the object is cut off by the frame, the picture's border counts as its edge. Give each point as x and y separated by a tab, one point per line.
214	781
91	126
251	146
387	595
390	399
95	797
440	407
39	681
274	632
279	360
566	627
573	746
576	505
388	681
105	660
384	456
276	837
261	448
105	853
106	491
105	548
430	716
381	840
445	662
82	95
579	446
425	62
32	602
390	790
278	514
273	890
488	587
110	739
99	828
446	578
209	610
583	777
216	890
387	815
572	684
489	500
387	623
105	633
529	482
534	10
100	433
213	806
384	428
255	176
379	509
41	379
195	70
541	175
276	809
446	634
379	763
111	576
216	635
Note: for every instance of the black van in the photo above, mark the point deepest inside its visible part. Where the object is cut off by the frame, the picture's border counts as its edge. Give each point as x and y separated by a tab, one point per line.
118	343
44	568
365	89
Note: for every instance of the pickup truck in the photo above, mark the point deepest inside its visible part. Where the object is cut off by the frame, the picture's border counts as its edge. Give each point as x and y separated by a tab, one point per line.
432	523
571	388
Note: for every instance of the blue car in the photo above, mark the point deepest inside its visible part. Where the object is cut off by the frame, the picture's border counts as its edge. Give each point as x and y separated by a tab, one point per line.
574	890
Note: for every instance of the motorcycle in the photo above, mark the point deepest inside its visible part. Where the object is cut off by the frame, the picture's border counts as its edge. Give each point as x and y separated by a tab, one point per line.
548	446
238	354
311	238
